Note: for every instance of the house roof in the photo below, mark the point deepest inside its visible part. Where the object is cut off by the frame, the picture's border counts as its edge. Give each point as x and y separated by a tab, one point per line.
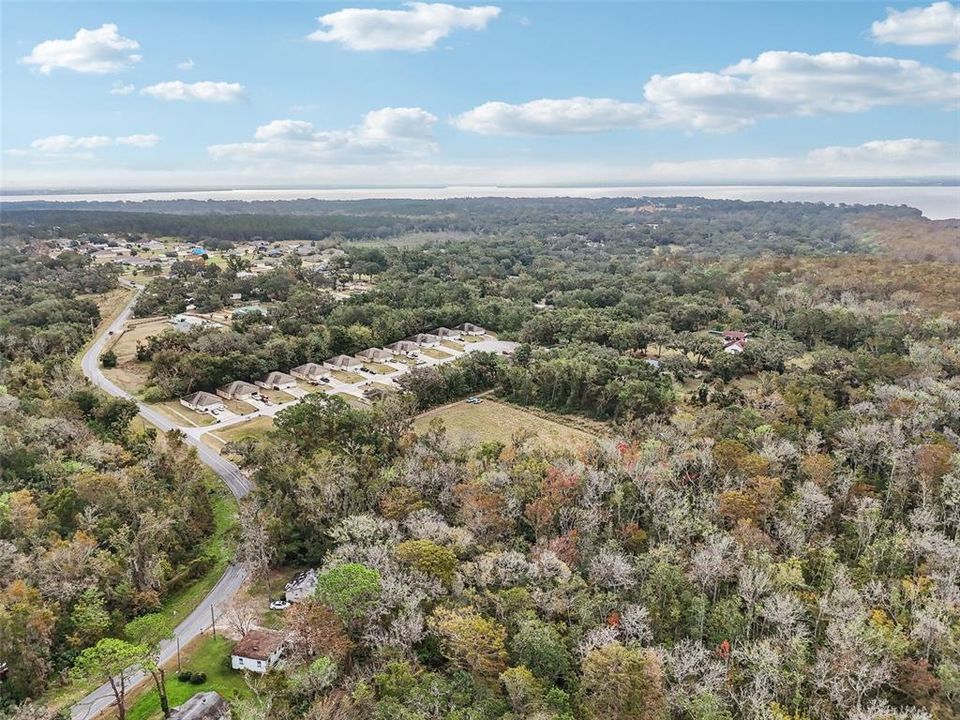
468	327
277	377
374	352
306	578
441	331
310	368
423	337
343	360
208	705
258	644
402	345
734	335
239	387
202	399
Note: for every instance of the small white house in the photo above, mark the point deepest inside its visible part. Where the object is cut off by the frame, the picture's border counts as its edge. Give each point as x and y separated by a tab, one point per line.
277	381
445	333
258	651
471	329
202	402
404	347
237	390
302	586
342	362
375	354
310	372
425	339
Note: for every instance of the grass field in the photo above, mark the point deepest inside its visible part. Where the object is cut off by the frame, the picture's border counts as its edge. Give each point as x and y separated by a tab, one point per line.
311	388
474	338
131	374
435	354
496	421
277	397
253	428
239	407
379	368
182	415
209	655
346	377
452	344
404	360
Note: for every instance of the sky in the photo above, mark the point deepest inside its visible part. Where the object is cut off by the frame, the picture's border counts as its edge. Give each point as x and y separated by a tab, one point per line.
256	94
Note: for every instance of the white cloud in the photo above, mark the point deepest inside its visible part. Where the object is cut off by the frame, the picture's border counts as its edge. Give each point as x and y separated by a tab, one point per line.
98	51
418	27
122	88
58	144
186	64
204	91
781	83
383	134
936	24
882	151
552	117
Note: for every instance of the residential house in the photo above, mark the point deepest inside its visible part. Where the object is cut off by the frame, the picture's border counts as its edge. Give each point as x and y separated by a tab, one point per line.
734	341
208	705
310	372
258	651
425	339
342	362
277	381
237	390
404	347
375	354
446	333
471	329
202	402
302	586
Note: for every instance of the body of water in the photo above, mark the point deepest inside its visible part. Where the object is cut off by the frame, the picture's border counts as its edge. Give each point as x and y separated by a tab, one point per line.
935	202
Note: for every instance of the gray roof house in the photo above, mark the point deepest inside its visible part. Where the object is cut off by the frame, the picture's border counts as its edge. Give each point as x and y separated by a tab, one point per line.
342	362
375	354
403	347
237	390
471	329
310	372
301	586
202	402
277	381
446	333
424	339
258	651
208	705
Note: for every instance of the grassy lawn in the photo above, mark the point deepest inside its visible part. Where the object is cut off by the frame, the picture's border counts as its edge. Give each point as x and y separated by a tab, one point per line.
183	415
311	388
239	407
346	377
452	344
496	421
125	344
110	304
435	354
474	338
353	401
277	397
404	360
254	428
379	368
209	655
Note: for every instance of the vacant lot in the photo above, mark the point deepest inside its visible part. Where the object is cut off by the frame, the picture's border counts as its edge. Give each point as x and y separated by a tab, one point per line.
496	421
346	377
254	428
435	354
452	344
239	407
130	374
379	368
183	415
311	388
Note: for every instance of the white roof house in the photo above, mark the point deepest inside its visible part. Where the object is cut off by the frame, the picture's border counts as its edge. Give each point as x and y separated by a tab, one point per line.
446	333
202	402
471	329
258	651
310	372
403	347
375	354
237	390
302	586
277	381
425	339
342	362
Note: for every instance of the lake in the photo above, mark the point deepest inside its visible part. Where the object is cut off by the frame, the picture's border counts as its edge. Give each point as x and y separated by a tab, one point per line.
935	202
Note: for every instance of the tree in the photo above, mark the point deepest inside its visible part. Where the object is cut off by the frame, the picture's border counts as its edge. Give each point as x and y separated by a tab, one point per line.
113	661
428	557
623	683
149	631
349	589
109	359
471	641
539	647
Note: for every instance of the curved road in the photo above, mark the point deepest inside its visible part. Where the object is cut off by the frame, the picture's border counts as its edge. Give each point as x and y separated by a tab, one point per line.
196	622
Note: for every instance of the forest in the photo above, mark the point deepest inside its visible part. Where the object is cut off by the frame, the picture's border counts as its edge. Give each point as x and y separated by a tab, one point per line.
766	535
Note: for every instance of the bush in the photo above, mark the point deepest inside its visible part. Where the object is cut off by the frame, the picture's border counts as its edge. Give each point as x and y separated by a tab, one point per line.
109	359
185	676
198	678
153	394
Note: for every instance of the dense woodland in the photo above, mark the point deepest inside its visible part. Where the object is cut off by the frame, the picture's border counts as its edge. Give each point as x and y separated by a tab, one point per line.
99	522
771	535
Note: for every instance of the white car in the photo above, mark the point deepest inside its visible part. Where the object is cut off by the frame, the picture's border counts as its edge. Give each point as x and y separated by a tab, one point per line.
279	605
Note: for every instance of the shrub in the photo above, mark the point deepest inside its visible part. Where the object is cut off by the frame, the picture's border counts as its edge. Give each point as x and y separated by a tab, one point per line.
153	394
185	676
198	678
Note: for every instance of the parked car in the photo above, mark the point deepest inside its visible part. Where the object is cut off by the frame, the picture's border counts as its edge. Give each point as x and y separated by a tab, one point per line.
279	605
474	400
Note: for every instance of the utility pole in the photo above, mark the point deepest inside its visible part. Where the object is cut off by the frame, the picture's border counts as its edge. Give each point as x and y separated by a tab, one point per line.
213	621
179	669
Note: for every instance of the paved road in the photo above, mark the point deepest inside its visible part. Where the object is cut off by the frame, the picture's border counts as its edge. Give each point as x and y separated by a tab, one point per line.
199	620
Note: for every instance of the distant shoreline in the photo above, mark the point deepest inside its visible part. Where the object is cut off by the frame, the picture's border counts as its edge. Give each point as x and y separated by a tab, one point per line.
936	202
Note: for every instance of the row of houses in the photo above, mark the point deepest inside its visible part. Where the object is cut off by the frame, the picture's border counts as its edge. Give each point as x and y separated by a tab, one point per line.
316	373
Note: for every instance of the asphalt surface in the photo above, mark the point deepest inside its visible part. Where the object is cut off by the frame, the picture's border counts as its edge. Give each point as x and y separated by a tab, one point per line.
200	619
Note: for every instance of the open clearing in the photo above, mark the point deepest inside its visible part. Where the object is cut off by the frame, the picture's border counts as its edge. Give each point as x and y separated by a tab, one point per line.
257	427
131	374
183	415
496	421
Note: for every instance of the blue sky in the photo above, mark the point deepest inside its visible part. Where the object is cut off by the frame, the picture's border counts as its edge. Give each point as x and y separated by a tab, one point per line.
255	93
